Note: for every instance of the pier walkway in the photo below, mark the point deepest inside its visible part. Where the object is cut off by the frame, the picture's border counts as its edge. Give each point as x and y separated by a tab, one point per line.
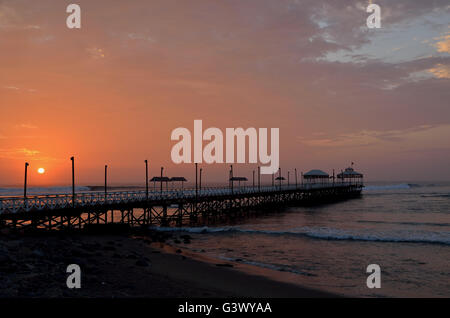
167	207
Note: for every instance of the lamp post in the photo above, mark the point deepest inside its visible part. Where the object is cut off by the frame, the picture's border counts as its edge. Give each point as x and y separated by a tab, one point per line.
146	179
253	178
25	182
200	185
196	180
231	178
295	177
288	178
259	178
73	180
106	181
162	170
279	175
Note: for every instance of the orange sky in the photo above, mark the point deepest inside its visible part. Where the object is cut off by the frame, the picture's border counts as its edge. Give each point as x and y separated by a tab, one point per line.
112	92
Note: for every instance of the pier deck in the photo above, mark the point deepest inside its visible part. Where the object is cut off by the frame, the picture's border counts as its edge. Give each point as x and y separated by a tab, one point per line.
161	208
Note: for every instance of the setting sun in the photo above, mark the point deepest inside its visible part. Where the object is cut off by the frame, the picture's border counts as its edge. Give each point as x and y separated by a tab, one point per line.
41	170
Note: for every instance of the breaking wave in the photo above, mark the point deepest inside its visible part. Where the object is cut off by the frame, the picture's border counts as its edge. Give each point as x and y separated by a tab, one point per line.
278	268
406	223
331	234
391	186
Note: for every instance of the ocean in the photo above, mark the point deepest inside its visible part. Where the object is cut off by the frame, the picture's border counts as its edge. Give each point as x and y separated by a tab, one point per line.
402	227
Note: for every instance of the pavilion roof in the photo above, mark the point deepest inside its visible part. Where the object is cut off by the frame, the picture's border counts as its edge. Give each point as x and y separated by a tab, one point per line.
316	173
238	179
178	179
159	179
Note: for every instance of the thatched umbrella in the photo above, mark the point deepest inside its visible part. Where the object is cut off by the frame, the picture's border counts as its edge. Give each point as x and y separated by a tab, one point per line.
232	179
159	179
179	179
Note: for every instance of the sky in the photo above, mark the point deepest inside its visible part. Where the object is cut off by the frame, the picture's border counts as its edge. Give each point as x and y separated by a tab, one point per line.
113	91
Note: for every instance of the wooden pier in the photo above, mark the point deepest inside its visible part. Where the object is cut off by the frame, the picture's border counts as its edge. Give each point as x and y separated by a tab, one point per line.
176	207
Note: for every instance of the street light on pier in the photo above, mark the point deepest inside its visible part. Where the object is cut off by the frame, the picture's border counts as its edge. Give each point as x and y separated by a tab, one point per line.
196	180
295	177
106	181
25	182
162	170
200	185
288	177
146	179
73	180
231	178
279	176
253	178
259	178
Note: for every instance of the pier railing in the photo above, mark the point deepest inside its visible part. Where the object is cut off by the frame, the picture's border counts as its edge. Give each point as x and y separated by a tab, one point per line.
98	199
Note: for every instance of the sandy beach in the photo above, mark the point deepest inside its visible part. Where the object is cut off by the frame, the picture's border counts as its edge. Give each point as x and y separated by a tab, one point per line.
124	265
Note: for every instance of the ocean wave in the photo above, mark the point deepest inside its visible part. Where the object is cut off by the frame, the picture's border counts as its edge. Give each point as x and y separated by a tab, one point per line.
379	236
274	267
388	187
200	230
436	195
406	223
331	234
397	186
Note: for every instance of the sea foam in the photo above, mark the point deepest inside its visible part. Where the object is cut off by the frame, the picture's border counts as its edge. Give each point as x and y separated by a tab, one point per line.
331	234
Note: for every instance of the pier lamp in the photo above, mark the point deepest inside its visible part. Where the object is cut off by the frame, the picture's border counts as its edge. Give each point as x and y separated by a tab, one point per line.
200	184
73	180
259	178
25	182
253	178
196	180
295	177
106	181
280	176
162	170
146	179
231	178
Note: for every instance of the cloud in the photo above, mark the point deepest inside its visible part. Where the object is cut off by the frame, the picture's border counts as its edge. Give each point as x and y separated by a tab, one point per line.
11	88
11	19
364	138
18	153
440	71
8	16
26	126
15	88
443	45
141	36
44	39
96	53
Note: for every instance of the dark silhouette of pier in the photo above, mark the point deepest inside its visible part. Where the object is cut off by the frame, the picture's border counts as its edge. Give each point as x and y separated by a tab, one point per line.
171	207
166	207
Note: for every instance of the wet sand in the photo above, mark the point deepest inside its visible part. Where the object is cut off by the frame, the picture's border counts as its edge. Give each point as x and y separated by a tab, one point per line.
128	266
